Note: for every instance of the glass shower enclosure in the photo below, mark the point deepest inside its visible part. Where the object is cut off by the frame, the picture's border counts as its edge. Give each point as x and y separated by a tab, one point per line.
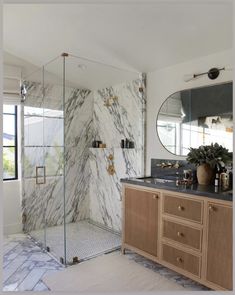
43	157
66	209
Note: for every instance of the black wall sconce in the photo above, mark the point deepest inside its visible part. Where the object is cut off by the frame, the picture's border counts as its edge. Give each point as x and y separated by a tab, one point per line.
212	74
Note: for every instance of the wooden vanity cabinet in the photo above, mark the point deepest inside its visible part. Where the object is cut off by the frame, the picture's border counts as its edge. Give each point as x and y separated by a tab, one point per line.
189	234
141	220
219	245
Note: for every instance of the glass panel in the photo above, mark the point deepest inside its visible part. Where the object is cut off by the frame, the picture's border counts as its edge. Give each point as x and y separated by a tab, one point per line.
53	130
9	162
33	131
9	109
33	157
54	161
102	103
34	194
54	157
58	135
38	111
8	130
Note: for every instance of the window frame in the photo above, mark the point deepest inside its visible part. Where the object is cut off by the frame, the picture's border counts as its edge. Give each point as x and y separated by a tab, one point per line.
15	143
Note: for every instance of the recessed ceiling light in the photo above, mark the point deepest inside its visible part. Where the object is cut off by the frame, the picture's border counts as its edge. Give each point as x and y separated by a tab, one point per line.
82	66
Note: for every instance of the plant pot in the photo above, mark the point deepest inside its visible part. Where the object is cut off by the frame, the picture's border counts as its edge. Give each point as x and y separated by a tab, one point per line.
205	174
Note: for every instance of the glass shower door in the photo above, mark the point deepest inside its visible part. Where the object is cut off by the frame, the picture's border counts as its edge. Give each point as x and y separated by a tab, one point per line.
33	159
54	157
43	160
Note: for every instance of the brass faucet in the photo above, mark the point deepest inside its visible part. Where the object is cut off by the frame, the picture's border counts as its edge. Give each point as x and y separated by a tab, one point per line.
169	165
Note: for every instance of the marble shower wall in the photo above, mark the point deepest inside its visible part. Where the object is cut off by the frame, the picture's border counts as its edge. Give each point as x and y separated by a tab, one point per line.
90	191
78	139
106	189
123	119
44	203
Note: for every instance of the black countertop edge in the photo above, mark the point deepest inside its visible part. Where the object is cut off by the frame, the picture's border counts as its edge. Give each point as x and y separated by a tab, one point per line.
205	191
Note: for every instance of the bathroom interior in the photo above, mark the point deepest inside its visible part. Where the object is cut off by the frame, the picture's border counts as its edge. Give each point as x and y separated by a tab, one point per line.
97	152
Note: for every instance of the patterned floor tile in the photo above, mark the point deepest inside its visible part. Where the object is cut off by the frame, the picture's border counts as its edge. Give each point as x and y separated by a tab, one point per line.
25	264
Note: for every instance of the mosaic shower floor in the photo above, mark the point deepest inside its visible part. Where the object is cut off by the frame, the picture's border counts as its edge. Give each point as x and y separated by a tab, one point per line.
84	240
25	265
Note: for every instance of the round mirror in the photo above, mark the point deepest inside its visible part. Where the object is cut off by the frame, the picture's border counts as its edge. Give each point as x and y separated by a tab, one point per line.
194	117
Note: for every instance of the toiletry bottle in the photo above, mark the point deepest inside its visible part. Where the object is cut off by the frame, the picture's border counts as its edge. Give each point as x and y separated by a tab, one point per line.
123	143
217	179
230	179
177	178
224	179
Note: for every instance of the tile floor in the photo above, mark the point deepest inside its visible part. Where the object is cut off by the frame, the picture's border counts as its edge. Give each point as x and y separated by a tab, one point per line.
25	265
187	283
84	240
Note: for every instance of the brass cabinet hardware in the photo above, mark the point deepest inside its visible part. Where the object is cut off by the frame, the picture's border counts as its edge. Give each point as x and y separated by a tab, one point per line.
180	208
179	259
155	196
211	208
179	234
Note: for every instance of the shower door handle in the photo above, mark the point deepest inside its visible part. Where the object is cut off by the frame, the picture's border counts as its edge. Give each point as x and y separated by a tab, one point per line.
40	179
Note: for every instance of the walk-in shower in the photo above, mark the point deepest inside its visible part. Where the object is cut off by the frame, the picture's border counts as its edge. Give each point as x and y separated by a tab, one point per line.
71	199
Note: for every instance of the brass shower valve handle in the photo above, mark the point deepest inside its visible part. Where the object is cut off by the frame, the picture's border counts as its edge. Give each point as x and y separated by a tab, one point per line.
111	169
111	157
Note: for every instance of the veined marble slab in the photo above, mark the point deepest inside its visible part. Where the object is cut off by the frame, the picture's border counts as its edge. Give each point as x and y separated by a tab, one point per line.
105	189
90	192
44	145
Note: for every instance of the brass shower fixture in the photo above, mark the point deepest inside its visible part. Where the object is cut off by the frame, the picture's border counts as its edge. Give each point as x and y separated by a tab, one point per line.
111	168
110	101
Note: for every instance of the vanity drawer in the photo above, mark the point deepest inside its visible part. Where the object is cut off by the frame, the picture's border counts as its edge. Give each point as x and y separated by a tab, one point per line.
183	234
181	259
182	207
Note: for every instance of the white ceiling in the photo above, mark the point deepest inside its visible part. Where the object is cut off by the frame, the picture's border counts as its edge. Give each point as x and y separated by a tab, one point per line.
135	37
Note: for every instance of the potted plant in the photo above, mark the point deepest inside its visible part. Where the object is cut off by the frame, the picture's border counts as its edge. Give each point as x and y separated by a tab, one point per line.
206	157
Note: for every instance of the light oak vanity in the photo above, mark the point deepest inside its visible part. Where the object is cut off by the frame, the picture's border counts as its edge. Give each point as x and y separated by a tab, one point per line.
187	233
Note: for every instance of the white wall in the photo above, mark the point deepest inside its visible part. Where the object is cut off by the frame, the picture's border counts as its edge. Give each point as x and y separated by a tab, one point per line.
12	207
164	82
12	196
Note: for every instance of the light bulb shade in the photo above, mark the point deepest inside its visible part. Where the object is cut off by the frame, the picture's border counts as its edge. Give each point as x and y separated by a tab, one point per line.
213	73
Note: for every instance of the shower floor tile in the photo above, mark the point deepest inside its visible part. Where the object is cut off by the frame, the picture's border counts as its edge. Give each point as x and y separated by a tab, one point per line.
24	264
84	240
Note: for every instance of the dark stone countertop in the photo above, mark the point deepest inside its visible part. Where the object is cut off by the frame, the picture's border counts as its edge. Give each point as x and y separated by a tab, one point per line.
209	191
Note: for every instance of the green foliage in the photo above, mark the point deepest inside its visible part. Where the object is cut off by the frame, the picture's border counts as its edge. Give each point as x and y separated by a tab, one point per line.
211	154
8	163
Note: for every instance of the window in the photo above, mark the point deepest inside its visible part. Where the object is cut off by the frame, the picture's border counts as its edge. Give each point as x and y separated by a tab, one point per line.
10	169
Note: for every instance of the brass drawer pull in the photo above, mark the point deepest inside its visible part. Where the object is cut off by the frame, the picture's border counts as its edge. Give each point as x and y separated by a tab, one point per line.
179	259
211	208
180	208
155	196
179	234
